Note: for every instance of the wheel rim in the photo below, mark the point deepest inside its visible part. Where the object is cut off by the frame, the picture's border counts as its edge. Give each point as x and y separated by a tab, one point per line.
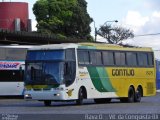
138	95
81	95
131	95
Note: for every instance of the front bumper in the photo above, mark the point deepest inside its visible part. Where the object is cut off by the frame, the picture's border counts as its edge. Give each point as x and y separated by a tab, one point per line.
45	95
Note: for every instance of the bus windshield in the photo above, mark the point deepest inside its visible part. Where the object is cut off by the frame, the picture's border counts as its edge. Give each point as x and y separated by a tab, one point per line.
46	55
48	67
44	73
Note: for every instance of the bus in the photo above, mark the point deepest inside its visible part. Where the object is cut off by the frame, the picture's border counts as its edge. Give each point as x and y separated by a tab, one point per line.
11	77
99	71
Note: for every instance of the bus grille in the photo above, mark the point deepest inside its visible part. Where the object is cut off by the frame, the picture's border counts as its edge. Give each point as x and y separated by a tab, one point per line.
42	89
37	89
150	88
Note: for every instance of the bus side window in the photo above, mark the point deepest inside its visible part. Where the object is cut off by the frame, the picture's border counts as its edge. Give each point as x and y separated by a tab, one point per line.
120	58
69	72
108	58
96	58
142	59
83	57
131	58
150	59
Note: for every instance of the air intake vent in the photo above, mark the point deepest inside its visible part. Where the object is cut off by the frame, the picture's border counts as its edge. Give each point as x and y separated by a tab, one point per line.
150	88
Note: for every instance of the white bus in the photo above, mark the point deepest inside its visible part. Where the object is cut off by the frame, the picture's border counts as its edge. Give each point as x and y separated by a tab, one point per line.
101	72
11	77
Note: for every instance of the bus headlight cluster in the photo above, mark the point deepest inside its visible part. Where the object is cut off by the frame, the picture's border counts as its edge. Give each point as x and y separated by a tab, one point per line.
28	96
57	94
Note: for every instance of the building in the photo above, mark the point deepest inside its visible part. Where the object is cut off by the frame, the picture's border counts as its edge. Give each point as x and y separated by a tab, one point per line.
14	16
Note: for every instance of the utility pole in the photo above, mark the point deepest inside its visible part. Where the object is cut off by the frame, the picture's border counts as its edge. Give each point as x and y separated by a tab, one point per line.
95	31
95	34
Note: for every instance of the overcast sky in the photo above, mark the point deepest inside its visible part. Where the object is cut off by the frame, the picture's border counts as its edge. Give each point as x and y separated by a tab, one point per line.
142	16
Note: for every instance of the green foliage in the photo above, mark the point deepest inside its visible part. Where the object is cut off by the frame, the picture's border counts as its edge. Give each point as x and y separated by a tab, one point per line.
62	37
115	35
65	17
40	9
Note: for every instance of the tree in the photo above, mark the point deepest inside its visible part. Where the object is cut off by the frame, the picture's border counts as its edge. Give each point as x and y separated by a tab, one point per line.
114	35
63	17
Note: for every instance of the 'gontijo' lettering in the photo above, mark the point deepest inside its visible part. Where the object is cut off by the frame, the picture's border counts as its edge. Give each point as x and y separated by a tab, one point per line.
123	72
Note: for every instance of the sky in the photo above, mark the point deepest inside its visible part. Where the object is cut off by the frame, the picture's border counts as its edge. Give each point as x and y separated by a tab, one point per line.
141	16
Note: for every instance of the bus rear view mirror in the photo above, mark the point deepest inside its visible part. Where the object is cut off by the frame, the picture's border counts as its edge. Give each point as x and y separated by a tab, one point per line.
22	67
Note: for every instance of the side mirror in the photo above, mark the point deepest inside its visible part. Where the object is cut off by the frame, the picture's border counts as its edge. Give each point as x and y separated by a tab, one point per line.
22	67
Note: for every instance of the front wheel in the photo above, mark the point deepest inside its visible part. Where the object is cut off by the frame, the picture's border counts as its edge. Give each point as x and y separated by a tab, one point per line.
79	101
47	103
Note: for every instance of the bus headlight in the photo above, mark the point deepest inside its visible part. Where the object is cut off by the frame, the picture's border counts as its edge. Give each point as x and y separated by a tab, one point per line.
28	96
57	94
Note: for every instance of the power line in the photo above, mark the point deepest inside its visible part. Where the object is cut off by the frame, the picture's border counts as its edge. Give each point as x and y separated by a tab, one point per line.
143	35
147	35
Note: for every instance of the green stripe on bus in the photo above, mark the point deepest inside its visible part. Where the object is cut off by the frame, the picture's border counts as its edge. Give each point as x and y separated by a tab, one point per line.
105	79
100	79
96	79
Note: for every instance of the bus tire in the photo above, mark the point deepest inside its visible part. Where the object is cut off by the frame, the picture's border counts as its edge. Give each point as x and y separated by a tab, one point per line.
131	95
138	94
47	103
79	101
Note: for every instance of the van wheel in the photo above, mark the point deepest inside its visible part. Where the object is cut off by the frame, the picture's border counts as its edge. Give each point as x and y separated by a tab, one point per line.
47	103
79	101
131	95
138	95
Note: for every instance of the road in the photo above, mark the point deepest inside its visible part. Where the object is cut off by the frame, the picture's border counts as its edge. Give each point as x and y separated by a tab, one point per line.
148	105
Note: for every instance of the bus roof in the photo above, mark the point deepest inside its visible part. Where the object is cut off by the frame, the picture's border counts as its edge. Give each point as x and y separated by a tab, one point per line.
55	46
105	46
16	46
101	46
